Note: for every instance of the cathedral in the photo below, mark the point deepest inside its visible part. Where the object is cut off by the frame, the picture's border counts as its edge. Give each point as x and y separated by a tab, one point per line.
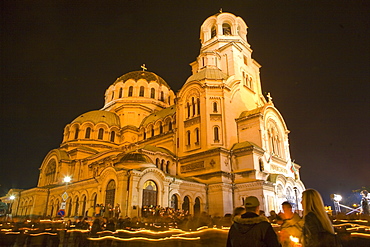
205	148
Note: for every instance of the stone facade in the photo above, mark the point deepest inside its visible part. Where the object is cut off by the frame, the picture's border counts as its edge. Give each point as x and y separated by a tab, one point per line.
206	148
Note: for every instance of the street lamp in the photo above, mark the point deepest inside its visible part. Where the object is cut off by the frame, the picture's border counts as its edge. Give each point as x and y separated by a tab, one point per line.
12	197
296	198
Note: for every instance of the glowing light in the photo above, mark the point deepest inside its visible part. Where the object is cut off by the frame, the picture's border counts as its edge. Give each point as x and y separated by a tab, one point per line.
67	179
337	198
12	197
295	241
360	235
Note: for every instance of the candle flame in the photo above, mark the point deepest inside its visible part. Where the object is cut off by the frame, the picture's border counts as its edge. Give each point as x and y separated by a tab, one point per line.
294	239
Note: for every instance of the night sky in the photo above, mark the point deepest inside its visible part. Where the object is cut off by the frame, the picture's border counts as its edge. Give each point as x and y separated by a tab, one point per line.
59	57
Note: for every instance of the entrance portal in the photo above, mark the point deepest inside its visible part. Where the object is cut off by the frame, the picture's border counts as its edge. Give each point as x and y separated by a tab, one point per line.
149	194
110	193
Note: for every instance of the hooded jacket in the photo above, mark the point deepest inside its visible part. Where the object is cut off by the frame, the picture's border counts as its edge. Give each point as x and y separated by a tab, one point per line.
252	230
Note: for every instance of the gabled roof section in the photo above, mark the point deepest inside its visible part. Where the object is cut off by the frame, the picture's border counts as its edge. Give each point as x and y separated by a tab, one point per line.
158	149
245	144
169	111
208	73
251	112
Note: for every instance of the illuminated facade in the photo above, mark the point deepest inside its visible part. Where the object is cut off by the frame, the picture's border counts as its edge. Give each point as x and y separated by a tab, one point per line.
206	148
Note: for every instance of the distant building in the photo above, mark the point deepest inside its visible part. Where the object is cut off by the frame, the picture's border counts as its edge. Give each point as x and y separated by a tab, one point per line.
206	148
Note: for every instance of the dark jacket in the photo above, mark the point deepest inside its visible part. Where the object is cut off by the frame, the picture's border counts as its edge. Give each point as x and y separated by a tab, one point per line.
252	230
314	234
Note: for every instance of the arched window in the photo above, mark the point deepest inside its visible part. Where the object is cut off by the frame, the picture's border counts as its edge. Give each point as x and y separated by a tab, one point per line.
174	202
198	106
50	172
216	134
152	131
120	93
141	93
170	125
226	29
76	133
83	209
162	97
77	205
95	198
112	136
193	105
162	165
88	133
160	128
196	136
130	91
186	204
168	167
215	107
169	100
245	78
112	95
188	138
69	211
100	134
144	134
188	108
157	162
152	93
213	32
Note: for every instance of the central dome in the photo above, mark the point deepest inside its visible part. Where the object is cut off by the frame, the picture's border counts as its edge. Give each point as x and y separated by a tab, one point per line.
137	75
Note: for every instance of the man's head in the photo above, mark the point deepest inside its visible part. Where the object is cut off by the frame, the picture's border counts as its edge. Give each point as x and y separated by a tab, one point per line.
287	207
251	204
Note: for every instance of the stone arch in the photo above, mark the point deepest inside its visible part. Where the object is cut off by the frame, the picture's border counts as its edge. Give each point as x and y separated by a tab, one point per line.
186	204
110	193
157	176
197	206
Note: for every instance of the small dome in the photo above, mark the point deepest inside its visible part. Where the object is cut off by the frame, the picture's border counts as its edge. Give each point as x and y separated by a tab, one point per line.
98	116
148	76
135	160
135	157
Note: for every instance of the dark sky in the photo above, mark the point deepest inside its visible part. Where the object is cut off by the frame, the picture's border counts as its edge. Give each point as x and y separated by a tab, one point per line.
59	57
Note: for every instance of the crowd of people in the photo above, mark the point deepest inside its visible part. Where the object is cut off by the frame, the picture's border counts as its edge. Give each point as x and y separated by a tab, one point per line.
248	224
314	229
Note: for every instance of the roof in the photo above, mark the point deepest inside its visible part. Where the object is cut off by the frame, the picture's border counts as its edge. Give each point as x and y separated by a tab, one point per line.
245	145
157	149
208	73
99	116
169	111
251	112
146	75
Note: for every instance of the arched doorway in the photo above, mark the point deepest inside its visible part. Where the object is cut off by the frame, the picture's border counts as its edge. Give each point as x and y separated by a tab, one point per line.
174	202
197	206
186	204
110	193
149	193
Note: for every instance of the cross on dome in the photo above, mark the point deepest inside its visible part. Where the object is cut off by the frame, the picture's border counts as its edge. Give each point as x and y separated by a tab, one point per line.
143	67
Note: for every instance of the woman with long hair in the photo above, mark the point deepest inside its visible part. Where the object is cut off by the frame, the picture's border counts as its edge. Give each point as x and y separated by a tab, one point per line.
317	228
